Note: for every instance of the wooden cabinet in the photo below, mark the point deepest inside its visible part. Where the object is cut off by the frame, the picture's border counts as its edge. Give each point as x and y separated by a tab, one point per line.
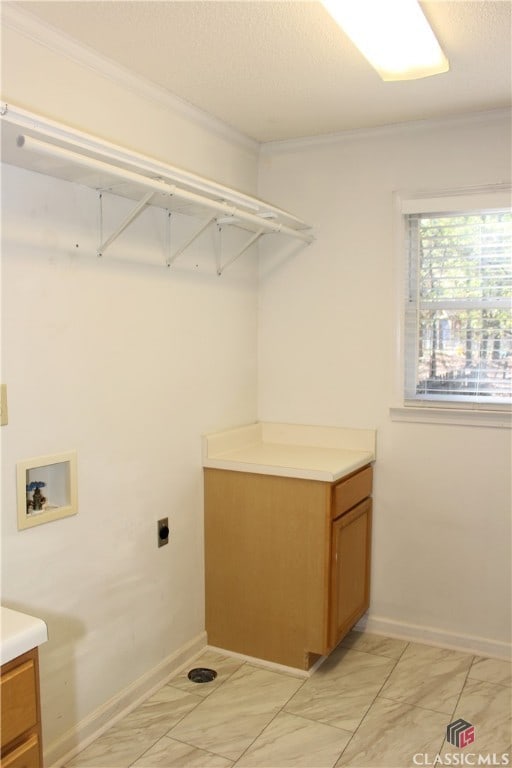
287	563
20	712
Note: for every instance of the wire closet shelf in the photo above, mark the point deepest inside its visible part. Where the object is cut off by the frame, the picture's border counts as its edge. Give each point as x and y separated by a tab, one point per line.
38	144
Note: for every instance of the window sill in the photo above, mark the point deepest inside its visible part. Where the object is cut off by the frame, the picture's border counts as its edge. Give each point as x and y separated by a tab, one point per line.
454	416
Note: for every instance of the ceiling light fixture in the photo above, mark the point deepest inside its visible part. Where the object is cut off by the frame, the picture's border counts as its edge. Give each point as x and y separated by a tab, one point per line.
393	35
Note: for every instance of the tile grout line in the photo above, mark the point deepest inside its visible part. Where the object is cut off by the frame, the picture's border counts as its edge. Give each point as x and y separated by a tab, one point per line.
443	742
417	706
414	706
373	701
218	754
202	699
304	681
194	746
488	682
164	734
311	720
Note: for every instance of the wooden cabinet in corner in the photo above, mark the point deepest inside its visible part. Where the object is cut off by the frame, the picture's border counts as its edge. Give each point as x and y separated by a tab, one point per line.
287	562
20	712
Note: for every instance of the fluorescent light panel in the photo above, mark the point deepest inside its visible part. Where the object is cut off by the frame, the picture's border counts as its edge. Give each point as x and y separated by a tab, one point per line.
393	35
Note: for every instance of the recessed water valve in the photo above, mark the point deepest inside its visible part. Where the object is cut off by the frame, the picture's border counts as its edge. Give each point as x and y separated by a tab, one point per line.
163	531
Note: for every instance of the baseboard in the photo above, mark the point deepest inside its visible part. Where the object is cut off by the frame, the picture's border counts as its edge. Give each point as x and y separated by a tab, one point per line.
478	646
99	721
272	665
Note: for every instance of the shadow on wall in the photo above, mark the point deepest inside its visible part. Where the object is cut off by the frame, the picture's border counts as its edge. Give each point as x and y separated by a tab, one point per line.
275	258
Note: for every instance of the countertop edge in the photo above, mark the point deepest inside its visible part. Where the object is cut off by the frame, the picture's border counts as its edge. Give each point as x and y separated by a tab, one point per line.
20	633
295	472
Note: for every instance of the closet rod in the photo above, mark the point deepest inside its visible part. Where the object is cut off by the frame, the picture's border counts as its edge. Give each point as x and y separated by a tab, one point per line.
30	143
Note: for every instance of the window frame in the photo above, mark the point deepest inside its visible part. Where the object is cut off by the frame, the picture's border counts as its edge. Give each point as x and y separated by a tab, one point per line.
429	409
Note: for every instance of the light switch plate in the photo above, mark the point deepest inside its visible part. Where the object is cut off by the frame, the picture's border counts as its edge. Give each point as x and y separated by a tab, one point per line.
3	405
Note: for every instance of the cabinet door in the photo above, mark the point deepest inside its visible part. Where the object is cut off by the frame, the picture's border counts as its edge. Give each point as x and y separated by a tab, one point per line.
350	569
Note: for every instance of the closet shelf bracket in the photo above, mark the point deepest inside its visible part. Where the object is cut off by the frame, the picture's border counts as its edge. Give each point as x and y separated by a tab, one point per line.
204	225
125	223
254	237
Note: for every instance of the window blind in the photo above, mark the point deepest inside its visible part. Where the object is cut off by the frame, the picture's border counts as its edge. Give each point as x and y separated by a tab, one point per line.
458	324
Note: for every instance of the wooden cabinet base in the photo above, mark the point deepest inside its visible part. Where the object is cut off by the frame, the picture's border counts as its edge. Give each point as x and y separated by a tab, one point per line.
272	591
20	712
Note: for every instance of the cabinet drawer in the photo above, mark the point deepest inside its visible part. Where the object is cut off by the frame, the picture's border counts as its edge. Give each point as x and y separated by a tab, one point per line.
19	701
351	491
26	755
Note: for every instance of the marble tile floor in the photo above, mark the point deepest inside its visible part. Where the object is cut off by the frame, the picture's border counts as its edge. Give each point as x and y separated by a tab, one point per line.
375	702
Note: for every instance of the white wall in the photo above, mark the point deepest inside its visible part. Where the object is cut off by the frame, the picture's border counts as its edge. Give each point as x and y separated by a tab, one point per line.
327	355
128	363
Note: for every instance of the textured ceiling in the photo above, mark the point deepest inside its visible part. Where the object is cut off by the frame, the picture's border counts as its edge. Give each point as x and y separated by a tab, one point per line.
280	70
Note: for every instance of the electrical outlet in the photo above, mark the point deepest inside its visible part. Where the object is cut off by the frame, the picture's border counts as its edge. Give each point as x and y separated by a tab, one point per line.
163	531
3	405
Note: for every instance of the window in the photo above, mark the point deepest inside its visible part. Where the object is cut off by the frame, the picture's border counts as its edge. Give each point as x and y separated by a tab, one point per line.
458	308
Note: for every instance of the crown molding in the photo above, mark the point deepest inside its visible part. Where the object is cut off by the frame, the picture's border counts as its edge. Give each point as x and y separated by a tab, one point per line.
29	26
326	139
26	24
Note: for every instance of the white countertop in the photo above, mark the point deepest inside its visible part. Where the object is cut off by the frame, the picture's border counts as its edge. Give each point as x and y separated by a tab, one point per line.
290	450
19	633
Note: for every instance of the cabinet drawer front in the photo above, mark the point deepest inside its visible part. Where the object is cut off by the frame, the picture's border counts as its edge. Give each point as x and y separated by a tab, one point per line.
19	703
24	756
350	492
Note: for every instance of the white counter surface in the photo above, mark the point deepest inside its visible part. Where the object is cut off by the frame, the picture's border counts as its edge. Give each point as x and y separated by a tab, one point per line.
19	633
290	450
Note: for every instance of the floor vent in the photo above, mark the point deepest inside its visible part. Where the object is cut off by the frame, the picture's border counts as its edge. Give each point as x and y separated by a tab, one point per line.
202	675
